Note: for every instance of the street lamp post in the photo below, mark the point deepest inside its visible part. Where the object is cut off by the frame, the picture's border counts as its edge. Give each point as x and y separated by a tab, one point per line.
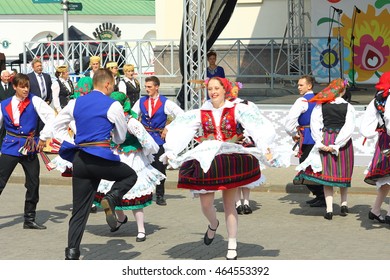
65	8
49	38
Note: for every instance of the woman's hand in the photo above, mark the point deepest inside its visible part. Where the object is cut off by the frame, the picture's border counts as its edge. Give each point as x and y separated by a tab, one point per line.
41	145
327	149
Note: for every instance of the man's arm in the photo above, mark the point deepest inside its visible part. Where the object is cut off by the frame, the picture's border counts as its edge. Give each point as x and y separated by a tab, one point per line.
300	106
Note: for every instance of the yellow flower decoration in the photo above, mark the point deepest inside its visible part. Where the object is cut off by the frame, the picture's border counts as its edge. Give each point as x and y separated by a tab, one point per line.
371	44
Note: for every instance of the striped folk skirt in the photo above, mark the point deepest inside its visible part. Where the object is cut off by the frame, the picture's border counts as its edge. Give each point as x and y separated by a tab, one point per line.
336	170
227	171
380	164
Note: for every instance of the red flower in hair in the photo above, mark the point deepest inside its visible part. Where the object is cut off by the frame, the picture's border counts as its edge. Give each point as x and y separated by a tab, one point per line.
384	84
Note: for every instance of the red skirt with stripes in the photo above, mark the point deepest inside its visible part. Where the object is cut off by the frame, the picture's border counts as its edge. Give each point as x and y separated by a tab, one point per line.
380	164
227	171
336	170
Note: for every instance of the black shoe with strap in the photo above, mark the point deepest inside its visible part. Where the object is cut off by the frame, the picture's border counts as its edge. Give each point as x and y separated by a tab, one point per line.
207	240
120	224
247	209
240	210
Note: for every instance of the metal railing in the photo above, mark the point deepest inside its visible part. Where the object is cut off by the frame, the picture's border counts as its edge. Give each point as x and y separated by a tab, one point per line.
251	60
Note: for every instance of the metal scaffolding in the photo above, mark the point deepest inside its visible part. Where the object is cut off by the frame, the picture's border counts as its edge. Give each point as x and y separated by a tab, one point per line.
296	33
194	50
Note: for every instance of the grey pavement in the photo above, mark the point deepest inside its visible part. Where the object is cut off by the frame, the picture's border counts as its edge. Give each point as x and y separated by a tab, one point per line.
281	227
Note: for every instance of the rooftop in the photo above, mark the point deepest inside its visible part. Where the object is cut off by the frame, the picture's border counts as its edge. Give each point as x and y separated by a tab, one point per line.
89	7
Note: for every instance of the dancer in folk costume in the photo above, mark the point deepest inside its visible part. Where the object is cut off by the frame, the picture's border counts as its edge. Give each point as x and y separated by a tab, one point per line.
137	152
19	115
243	193
297	125
218	162
330	162
373	125
98	119
154	112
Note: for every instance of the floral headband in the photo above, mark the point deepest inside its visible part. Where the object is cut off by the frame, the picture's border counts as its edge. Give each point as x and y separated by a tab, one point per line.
233	94
333	90
225	83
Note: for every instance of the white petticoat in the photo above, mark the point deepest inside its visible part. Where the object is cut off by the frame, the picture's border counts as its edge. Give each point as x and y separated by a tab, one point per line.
148	176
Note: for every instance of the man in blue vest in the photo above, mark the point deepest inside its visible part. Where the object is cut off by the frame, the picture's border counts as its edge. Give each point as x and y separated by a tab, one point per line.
153	110
298	126
98	118
19	115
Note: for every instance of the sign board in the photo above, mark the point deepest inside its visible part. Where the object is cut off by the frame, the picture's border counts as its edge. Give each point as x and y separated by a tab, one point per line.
45	1
75	6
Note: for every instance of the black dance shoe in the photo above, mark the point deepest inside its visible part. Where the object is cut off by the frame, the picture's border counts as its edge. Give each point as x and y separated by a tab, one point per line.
328	216
141	239
344	211
234	258
387	219
161	201
240	210
379	217
120	224
206	239
311	201
32	225
72	254
319	203
93	209
108	205
247	210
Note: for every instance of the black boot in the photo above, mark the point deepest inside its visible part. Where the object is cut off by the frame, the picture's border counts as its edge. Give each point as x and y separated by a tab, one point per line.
72	254
29	222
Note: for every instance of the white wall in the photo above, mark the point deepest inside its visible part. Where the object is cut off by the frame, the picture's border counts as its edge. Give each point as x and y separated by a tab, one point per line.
251	20
20	29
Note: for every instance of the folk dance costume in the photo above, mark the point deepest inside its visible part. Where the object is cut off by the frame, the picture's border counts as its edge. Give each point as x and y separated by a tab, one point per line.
153	114
332	125
218	163
298	124
97	118
83	87
131	87
137	152
378	172
374	124
19	117
62	89
242	199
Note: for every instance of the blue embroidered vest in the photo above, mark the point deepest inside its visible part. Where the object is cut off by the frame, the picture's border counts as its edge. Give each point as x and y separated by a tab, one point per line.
304	120
27	125
156	123
92	125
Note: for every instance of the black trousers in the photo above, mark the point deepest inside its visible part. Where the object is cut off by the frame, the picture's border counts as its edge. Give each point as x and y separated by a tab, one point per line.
160	189
88	170
31	170
317	190
2	135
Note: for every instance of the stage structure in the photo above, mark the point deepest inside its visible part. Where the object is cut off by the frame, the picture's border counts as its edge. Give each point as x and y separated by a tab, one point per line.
296	33
194	52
